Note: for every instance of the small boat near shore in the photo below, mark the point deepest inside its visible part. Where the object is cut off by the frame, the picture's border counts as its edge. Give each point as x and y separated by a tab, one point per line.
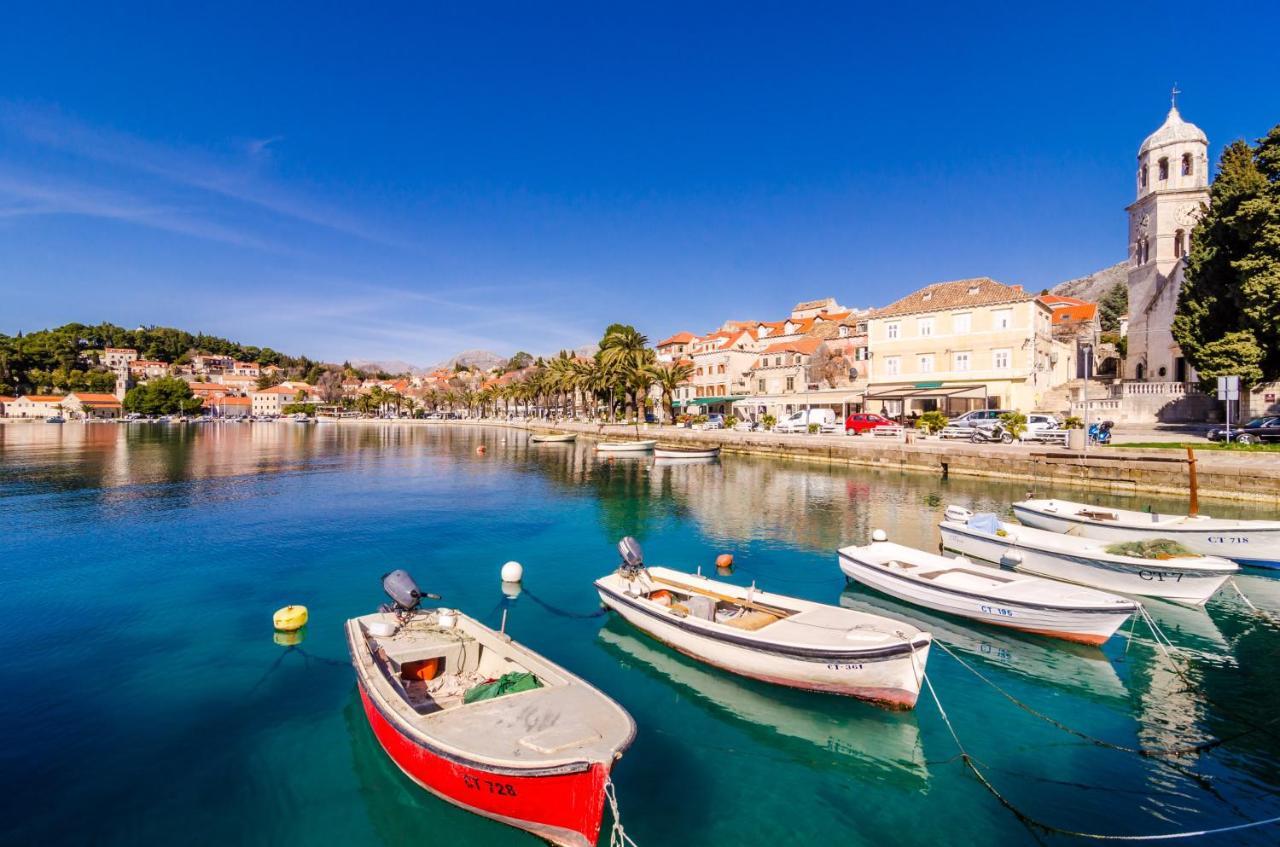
770	637
982	593
1247	542
483	722
553	437
625	446
681	452
1191	579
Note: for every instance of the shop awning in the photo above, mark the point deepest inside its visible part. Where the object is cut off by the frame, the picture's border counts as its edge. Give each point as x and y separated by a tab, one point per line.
709	401
926	390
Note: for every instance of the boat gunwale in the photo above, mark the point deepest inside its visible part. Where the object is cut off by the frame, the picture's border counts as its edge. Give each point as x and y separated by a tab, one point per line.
808	653
1217	566
1266	527
448	752
1131	606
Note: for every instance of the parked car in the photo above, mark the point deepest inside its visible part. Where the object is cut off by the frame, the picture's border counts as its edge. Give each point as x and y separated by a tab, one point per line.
861	422
799	422
1038	422
978	416
715	421
1256	431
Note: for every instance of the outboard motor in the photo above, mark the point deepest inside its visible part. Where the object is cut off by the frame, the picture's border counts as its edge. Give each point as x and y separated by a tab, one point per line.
403	591
632	557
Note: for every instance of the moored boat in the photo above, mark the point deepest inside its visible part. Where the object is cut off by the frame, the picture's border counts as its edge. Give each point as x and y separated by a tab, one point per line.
552	437
679	452
483	722
625	446
1183	578
770	637
1247	542
982	593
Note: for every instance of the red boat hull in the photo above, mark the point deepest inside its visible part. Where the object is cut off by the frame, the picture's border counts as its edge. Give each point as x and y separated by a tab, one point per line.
563	808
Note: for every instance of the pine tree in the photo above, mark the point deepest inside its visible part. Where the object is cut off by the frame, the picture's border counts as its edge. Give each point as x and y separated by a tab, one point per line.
1228	318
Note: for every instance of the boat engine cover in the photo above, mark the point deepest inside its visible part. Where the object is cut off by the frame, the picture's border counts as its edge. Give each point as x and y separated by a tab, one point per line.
401	588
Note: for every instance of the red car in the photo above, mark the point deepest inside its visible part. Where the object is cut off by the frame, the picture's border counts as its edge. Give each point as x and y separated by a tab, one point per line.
861	422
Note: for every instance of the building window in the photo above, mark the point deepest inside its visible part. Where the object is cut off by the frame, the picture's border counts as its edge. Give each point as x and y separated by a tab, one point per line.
1179	244
924	327
1187	167
1000	359
791	383
1002	318
1164	169
777	361
1142	176
891	330
892	365
960	361
925	364
760	386
961	323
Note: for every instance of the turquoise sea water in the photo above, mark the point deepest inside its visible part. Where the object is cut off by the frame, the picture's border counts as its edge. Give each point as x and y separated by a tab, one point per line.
146	702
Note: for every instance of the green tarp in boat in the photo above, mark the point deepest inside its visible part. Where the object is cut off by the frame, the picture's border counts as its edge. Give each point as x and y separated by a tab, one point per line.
508	683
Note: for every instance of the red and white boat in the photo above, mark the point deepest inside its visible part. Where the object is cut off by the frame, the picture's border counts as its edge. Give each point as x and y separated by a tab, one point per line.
537	758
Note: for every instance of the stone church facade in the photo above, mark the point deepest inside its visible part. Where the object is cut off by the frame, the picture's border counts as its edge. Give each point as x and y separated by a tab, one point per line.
1172	188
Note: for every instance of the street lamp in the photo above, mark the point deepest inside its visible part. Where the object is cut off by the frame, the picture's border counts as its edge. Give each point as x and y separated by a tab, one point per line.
1087	350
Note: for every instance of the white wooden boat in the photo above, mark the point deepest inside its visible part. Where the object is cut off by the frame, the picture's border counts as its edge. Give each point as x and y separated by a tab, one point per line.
552	437
771	637
537	759
979	592
625	446
675	452
1185	579
1247	542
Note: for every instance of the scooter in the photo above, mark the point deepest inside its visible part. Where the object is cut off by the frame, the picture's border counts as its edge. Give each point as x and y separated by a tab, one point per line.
1100	432
991	432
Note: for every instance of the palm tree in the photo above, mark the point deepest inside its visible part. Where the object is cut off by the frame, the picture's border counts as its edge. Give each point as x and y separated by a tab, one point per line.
668	378
592	381
624	352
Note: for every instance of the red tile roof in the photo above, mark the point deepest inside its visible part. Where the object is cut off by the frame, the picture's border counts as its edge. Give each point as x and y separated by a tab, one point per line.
44	398
957	294
1068	310
678	338
804	346
97	399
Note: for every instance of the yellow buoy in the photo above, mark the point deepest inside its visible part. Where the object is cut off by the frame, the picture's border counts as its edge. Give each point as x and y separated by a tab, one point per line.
290	618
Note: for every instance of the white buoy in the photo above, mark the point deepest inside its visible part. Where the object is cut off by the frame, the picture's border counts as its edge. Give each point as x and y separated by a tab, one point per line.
879	535
512	572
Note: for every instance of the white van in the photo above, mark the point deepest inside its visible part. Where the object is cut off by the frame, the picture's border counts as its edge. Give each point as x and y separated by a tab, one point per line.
799	422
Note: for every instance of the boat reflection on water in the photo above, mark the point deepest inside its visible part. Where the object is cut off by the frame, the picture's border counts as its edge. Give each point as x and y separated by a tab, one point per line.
1191	629
884	746
1077	668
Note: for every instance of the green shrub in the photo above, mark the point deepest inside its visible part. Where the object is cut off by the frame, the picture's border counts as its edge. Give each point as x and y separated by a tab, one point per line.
768	421
813	429
932	422
730	421
1015	423
1073	422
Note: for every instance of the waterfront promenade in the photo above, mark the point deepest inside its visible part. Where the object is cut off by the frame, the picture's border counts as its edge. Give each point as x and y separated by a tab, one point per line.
1222	475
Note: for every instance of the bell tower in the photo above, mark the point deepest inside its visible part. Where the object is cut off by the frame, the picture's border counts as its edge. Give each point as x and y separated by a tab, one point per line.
1172	186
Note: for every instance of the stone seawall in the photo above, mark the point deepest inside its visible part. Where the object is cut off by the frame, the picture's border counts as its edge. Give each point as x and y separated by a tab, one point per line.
1222	475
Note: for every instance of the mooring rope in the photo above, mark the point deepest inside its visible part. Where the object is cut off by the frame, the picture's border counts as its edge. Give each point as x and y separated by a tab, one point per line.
617	835
1265	615
1140	751
1028	820
564	613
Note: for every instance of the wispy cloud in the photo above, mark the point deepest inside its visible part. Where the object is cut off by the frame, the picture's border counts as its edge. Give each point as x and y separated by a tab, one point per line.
200	169
28	195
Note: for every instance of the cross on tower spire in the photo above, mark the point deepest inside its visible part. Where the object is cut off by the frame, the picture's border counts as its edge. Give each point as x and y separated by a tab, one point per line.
1173	95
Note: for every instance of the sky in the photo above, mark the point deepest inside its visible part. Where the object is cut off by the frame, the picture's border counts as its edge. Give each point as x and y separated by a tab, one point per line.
405	181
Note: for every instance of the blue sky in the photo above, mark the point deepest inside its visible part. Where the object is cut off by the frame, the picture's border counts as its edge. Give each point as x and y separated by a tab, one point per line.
410	181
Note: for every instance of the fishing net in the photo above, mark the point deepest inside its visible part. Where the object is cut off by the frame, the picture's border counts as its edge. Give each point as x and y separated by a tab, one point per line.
1156	548
508	683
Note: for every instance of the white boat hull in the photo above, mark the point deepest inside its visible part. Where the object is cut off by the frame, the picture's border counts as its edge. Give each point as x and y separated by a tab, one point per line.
553	438
667	453
1084	626
1154	578
1254	543
625	446
892	678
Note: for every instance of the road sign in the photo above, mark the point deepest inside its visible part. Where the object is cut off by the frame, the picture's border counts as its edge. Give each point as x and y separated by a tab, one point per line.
1228	388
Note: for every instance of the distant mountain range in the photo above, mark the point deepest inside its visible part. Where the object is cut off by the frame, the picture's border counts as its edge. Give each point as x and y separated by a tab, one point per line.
482	359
